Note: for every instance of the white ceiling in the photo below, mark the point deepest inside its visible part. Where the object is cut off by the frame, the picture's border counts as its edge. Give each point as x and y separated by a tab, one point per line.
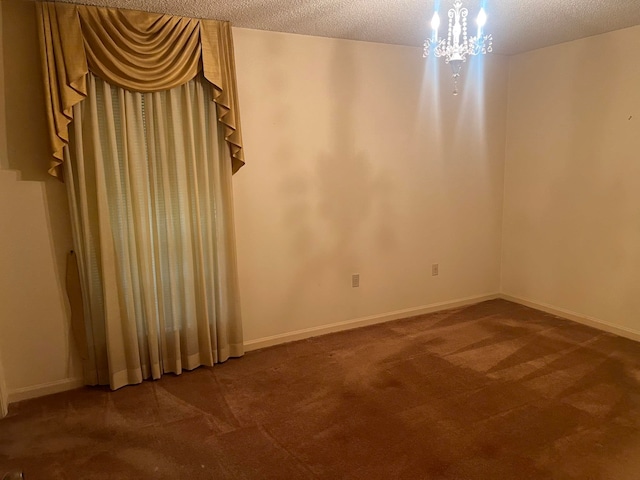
516	25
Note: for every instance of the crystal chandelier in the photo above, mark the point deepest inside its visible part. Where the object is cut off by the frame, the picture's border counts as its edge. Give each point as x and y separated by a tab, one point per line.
457	46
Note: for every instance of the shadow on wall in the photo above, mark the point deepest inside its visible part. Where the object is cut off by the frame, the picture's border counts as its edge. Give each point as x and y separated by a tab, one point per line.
340	210
27	138
350	186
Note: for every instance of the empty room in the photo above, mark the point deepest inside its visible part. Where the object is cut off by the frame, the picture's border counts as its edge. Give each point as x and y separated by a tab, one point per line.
328	239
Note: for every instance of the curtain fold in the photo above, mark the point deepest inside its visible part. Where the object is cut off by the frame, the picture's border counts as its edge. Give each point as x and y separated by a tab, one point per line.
149	187
137	51
4	397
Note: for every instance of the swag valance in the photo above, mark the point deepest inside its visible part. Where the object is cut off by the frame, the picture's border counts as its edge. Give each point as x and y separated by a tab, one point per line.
138	51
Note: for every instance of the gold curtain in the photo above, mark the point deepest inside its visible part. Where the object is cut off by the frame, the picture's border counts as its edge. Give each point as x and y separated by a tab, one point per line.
137	51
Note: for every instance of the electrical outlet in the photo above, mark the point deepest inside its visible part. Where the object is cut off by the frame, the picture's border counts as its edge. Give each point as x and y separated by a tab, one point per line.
355	280
434	270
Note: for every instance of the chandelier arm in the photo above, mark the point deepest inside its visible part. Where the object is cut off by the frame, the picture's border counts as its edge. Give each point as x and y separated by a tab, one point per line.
458	45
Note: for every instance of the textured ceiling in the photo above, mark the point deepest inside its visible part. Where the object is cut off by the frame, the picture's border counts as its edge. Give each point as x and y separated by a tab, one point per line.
516	25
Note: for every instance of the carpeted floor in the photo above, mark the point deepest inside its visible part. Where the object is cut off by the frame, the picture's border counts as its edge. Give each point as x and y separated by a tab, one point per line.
491	391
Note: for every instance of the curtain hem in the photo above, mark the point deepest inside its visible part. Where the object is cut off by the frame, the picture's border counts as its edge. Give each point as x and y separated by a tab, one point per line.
125	377
4	395
136	376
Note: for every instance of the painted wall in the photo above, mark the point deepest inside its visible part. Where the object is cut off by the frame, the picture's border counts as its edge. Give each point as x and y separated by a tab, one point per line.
360	160
3	125
35	236
572	187
4	394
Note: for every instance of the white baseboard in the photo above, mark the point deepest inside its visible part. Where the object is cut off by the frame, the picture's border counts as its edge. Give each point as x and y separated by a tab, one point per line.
34	391
71	383
361	322
43	389
576	317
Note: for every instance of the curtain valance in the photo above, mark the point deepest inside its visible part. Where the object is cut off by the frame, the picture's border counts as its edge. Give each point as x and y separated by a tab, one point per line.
138	51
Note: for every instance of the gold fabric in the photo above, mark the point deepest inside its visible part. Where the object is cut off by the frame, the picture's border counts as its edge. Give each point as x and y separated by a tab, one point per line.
76	304
137	51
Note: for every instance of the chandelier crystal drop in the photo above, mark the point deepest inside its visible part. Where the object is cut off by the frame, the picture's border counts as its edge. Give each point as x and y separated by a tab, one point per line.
458	45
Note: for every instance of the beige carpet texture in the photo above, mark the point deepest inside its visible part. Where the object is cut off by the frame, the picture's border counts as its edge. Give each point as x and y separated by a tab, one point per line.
490	391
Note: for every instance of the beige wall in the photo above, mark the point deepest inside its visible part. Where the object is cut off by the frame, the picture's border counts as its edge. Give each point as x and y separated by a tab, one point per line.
572	188
3	158
37	354
3	126
360	160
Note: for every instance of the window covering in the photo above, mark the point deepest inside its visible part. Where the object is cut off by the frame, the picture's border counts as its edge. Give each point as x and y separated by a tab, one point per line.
137	51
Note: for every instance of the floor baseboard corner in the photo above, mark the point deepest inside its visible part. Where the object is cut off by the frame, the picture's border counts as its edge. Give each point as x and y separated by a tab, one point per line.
363	321
25	393
575	317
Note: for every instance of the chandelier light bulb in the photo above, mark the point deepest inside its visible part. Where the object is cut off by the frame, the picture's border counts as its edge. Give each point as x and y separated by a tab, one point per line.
458	45
435	22
481	20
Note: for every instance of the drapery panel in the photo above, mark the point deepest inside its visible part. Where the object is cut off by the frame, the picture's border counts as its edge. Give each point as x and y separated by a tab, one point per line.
4	397
149	184
137	51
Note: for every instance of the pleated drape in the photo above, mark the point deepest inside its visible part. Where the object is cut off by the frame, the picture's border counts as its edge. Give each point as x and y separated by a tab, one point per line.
4	397
149	183
138	51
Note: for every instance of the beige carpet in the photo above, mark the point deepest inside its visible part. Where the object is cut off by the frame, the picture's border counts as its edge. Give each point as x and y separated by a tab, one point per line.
491	391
